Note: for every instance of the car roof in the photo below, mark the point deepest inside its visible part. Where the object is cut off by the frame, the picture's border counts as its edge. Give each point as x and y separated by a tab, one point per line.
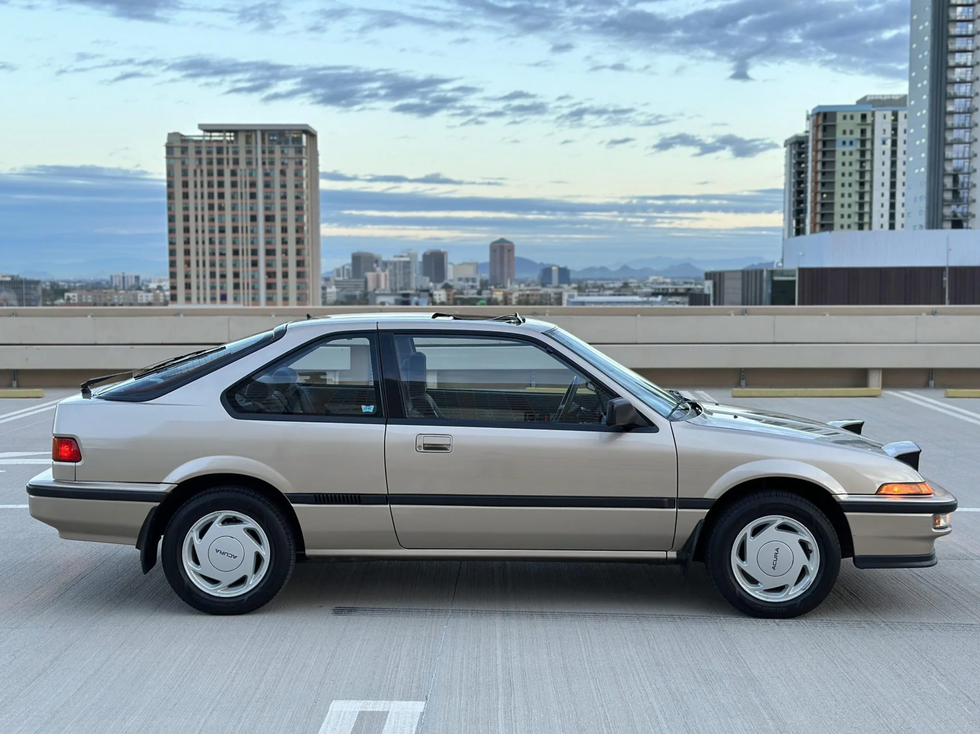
426	319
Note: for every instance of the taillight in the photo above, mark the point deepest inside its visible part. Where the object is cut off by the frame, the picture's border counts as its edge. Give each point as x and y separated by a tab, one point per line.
65	449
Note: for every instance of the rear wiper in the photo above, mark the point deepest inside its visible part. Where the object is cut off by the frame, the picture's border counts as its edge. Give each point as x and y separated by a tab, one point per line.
167	362
87	385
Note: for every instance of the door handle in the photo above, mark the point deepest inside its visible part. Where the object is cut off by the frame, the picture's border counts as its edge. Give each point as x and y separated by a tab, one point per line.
433	443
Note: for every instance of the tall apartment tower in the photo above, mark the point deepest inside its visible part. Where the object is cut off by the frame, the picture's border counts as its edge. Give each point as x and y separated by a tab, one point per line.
794	191
243	212
943	101
857	165
502	269
401	272
435	266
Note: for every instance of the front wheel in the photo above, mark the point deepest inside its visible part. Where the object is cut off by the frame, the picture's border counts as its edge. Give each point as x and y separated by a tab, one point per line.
228	550
773	554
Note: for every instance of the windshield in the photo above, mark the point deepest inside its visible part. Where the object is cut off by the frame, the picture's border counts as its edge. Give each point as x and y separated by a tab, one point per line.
154	381
655	397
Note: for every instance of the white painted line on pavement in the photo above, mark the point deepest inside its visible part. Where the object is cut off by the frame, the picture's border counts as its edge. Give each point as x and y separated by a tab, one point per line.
24	462
403	716
13	454
705	395
13	507
912	398
947	406
30	408
36	411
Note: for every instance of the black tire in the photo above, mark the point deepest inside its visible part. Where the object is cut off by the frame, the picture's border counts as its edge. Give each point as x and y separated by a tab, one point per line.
725	531
281	558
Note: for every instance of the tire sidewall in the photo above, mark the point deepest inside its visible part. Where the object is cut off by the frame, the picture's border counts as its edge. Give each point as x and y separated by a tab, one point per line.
281	549
722	539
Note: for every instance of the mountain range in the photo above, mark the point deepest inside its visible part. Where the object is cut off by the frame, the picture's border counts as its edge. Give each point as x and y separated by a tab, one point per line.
636	269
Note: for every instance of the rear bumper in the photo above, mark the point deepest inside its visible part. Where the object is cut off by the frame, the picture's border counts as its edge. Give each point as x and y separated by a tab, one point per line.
106	512
896	532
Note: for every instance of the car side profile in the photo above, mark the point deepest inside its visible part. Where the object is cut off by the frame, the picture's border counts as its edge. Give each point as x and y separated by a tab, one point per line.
434	436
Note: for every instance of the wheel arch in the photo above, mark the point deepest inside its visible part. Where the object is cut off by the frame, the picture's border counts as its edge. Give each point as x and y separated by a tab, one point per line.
156	522
804	488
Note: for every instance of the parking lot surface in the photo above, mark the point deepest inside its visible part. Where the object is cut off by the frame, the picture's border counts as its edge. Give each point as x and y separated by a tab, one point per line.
90	644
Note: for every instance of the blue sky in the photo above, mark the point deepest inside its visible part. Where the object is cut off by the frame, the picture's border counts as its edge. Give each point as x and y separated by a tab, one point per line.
587	131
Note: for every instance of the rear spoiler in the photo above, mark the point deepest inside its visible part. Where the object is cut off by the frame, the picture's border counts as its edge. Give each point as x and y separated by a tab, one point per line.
854	426
905	451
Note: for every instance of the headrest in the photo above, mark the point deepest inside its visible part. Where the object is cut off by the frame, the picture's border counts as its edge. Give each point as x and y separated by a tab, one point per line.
414	367
281	376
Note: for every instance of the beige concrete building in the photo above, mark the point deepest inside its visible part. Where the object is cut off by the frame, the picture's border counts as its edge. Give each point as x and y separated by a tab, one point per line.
857	165
502	262
243	212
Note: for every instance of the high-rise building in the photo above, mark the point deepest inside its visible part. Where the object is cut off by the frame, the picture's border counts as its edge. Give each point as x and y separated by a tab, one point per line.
124	281
794	191
943	100
413	255
502	262
376	280
554	275
470	270
16	291
243	211
857	164
435	266
401	274
362	263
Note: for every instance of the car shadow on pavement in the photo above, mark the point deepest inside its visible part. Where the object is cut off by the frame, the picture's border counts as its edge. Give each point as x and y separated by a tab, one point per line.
101	585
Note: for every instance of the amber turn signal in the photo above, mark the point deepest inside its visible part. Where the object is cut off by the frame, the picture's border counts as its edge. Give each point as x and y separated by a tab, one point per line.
905	488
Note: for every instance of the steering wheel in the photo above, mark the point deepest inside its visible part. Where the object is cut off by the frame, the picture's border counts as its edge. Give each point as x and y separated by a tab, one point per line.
567	398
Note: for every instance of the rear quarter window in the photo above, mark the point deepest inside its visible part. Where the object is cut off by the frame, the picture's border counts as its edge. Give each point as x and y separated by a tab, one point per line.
153	382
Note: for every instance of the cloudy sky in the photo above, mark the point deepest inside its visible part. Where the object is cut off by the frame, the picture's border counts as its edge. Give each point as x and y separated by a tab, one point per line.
587	131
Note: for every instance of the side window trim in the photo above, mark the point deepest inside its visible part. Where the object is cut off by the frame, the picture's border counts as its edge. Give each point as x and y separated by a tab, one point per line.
299	351
392	383
390	378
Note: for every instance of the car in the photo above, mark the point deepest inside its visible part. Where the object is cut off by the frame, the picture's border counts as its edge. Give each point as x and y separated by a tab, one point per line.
441	436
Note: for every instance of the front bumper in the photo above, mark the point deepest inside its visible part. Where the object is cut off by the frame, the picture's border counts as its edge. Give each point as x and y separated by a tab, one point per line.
896	532
106	512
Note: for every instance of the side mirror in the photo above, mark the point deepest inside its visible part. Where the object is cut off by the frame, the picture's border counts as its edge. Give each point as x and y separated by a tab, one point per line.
620	412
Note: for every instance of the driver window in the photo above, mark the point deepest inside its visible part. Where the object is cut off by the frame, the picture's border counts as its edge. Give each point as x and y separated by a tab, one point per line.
492	380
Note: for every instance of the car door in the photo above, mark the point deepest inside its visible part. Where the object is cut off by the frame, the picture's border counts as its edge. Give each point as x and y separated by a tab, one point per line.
314	419
495	441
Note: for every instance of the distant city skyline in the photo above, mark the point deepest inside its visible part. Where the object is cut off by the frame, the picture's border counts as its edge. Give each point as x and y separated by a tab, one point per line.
602	133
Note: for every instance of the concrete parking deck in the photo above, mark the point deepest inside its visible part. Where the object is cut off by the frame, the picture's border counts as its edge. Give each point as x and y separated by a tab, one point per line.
90	645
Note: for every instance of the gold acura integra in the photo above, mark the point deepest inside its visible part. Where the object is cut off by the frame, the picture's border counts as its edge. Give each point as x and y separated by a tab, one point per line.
439	436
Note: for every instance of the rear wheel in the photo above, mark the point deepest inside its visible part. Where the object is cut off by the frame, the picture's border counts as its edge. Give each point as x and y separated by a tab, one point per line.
228	550
773	554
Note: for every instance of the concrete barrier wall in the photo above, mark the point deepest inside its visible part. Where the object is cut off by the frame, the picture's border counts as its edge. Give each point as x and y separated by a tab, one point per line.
822	345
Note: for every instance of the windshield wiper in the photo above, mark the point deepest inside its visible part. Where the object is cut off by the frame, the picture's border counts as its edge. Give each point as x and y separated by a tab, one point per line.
87	385
682	402
167	362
